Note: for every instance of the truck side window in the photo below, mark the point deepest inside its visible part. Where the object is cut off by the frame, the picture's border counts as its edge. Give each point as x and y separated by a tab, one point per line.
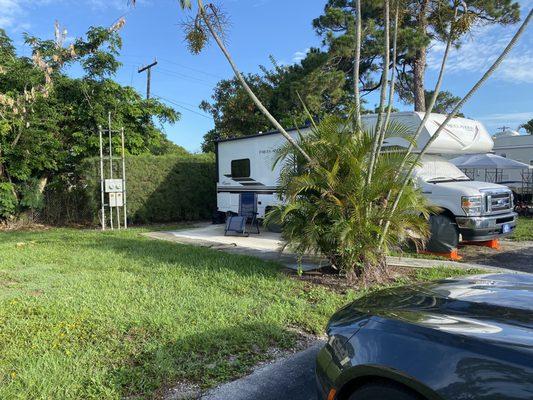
240	168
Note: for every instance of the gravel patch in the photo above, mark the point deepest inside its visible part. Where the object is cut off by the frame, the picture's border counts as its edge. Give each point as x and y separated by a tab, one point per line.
517	256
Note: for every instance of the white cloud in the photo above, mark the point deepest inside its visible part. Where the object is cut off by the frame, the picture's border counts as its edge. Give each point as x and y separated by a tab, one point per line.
482	47
494	122
518	116
14	13
300	55
9	11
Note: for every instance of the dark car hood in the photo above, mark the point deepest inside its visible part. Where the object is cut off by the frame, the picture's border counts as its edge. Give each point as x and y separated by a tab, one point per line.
496	307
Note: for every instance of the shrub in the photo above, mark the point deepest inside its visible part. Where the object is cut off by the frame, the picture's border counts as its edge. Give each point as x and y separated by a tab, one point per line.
166	188
8	200
332	210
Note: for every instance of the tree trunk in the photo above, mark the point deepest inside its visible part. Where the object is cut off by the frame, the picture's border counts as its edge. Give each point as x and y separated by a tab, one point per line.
383	95
42	184
356	63
419	70
419	64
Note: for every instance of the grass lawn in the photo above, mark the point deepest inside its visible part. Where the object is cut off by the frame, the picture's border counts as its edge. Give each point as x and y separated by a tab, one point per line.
91	315
524	229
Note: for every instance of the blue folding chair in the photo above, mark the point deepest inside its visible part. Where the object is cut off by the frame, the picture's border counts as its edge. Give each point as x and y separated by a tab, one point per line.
247	213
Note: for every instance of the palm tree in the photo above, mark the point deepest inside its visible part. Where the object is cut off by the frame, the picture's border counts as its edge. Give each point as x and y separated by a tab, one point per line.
331	209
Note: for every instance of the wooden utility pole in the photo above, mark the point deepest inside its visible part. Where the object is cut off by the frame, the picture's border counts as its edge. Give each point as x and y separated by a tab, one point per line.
148	69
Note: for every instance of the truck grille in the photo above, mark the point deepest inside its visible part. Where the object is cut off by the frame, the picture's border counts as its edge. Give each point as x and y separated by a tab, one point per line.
499	202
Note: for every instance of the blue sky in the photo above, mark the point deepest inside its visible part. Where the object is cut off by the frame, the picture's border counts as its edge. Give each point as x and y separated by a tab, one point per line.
260	28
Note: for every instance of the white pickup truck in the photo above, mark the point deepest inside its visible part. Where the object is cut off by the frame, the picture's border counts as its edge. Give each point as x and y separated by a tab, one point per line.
477	211
470	210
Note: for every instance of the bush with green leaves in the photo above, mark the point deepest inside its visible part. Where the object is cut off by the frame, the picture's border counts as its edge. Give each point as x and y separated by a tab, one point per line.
8	199
331	209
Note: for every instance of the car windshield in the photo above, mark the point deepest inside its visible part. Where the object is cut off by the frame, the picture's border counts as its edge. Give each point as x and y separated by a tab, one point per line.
436	169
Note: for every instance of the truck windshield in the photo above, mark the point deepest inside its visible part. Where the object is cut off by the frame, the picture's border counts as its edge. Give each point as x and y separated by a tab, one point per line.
438	169
447	179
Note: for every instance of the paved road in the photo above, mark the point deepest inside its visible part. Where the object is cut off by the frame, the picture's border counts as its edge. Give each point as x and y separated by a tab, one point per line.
291	378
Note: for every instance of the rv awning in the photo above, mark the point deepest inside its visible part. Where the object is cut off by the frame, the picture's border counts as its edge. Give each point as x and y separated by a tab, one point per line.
486	161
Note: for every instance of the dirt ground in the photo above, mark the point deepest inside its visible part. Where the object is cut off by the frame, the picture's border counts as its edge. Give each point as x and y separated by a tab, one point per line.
517	256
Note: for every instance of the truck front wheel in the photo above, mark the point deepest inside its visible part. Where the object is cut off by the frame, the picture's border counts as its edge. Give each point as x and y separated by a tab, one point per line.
444	234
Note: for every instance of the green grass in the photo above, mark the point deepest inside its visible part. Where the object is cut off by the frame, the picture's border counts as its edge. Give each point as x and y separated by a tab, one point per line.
92	315
524	229
432	274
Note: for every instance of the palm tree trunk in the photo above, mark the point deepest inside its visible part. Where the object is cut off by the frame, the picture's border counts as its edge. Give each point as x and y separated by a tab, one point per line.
357	63
383	94
433	99
457	108
245	86
428	110
393	78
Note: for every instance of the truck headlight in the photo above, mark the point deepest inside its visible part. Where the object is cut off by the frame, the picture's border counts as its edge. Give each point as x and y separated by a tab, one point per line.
472	205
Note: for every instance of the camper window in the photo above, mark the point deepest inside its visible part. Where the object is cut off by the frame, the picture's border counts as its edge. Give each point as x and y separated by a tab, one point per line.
240	168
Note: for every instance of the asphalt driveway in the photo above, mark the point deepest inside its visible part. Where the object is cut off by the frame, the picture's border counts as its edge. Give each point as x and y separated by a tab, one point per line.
289	378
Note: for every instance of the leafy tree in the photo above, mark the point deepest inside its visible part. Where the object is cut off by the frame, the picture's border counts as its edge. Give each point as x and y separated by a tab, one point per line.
445	102
528	127
48	121
282	89
421	22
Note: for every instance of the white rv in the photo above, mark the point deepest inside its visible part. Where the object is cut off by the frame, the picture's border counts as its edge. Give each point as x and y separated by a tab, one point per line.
479	211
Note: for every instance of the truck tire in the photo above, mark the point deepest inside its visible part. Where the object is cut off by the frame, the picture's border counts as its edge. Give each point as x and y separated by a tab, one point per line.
444	234
273	226
218	218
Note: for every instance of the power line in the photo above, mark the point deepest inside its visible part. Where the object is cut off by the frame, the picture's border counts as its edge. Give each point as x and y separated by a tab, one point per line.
193	69
171	72
167	61
176	103
188	78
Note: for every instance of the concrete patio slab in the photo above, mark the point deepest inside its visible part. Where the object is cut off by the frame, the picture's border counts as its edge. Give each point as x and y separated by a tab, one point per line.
215	234
266	245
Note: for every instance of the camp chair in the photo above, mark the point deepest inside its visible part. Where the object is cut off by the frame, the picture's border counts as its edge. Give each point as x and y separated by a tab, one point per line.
247	213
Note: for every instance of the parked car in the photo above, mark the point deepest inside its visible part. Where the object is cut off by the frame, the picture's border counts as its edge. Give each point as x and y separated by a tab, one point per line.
465	338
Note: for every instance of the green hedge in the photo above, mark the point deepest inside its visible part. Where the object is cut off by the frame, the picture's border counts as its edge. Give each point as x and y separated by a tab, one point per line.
167	188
